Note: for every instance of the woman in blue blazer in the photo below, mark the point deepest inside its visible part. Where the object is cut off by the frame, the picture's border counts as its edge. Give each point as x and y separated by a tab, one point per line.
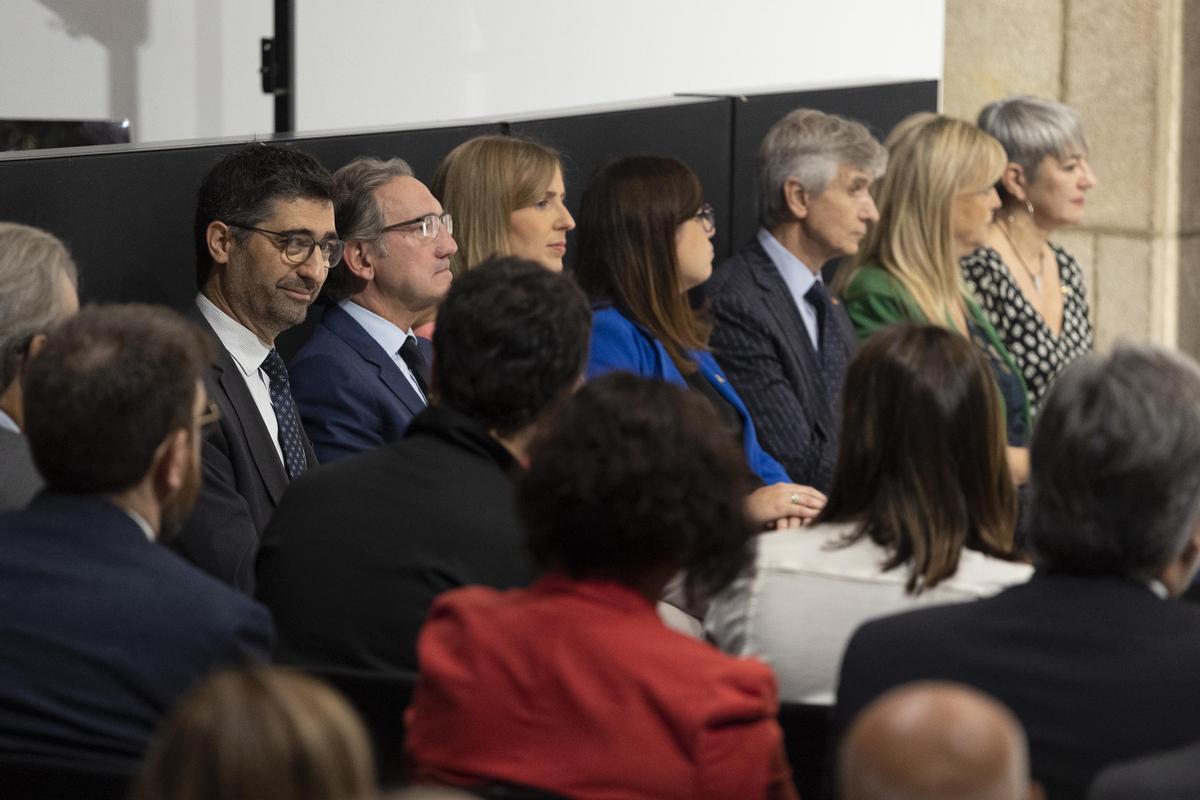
644	240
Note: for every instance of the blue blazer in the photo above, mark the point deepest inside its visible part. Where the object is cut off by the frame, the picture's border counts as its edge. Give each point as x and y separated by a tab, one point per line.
619	344
101	631
350	393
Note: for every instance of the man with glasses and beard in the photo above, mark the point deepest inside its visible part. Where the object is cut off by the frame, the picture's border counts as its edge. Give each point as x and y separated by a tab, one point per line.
102	628
265	241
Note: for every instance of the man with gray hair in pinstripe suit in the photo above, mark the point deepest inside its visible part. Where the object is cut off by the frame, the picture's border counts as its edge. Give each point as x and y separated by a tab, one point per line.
779	336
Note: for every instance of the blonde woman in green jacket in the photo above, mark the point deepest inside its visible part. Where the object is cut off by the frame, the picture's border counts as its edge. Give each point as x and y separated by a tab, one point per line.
935	204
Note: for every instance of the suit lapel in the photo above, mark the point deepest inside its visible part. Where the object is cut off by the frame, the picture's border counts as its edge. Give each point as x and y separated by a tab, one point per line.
227	388
232	384
349	331
777	299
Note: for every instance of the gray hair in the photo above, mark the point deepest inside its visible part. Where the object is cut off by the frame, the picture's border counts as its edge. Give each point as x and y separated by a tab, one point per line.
31	261
1031	128
1115	464
808	145
357	212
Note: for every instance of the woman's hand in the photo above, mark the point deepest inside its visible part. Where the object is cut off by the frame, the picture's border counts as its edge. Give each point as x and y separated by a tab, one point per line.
1018	465
784	505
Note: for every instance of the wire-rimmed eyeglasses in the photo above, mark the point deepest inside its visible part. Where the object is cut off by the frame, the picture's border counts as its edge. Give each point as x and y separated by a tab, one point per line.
429	224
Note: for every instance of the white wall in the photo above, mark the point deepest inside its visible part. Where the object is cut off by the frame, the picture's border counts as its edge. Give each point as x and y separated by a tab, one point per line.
183	69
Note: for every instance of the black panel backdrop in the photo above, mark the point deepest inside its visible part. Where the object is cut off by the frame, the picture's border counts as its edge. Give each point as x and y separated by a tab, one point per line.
126	210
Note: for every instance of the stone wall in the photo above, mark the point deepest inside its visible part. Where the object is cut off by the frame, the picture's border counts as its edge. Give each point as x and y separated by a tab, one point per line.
1131	68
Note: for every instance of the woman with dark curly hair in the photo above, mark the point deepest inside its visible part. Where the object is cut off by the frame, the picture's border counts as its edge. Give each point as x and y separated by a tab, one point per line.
574	686
921	510
644	241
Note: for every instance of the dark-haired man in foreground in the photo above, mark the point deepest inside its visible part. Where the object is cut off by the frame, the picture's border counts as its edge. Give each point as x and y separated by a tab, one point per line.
357	551
1093	654
102	628
265	240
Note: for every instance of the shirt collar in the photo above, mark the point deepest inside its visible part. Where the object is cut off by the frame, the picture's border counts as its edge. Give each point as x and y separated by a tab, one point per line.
1159	588
7	423
387	334
141	523
796	274
244	346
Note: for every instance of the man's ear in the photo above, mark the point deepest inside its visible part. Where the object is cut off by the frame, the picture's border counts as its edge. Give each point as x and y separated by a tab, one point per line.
171	462
797	198
1013	180
219	238
1177	575
35	345
359	259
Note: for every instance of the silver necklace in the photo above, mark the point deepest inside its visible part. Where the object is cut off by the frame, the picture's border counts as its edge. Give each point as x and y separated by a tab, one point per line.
1036	277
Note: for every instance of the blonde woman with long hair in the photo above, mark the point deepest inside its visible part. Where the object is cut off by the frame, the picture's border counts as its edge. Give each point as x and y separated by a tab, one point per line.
935	204
506	196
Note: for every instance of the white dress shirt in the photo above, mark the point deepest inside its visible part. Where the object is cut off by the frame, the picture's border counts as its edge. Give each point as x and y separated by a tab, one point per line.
7	423
248	352
389	337
799	279
805	597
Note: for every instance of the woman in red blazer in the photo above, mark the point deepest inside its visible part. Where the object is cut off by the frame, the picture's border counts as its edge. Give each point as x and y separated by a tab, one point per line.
573	686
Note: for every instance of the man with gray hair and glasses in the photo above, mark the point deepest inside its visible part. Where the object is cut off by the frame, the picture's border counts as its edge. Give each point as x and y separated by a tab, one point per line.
364	374
780	337
38	283
1094	655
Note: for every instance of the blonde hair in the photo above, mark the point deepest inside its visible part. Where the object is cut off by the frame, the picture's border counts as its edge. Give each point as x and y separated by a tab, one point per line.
259	733
481	183
932	158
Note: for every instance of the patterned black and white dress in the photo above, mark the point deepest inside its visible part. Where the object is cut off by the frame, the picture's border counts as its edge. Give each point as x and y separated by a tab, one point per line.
1040	355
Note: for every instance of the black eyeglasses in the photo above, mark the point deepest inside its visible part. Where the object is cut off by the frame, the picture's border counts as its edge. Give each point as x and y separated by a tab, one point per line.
707	217
430	225
298	247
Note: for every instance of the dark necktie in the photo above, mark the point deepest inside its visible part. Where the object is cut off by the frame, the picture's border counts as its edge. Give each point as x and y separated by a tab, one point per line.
416	363
830	351
291	436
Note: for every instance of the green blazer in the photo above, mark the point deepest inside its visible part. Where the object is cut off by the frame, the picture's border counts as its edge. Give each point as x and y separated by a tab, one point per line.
874	300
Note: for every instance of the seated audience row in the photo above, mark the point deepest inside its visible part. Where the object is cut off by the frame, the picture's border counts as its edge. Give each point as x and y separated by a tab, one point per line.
618	489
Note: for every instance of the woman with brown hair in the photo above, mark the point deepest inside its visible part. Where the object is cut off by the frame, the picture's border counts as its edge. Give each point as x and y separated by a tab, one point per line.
506	196
259	733
644	241
921	511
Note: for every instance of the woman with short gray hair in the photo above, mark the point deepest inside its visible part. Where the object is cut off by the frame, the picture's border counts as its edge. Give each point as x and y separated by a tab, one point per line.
1031	289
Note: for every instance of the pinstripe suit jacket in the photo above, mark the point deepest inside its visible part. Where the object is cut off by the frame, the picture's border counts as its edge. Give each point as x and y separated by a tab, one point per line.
760	341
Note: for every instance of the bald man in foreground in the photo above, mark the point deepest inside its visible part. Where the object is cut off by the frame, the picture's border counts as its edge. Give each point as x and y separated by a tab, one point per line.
935	741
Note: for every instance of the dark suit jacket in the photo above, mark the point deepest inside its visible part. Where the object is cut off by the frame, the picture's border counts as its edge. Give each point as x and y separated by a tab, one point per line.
358	549
351	394
244	479
760	340
1097	669
101	631
19	478
1174	775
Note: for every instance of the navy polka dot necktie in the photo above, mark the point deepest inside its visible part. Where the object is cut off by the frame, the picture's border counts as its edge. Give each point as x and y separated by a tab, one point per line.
291	437
829	351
